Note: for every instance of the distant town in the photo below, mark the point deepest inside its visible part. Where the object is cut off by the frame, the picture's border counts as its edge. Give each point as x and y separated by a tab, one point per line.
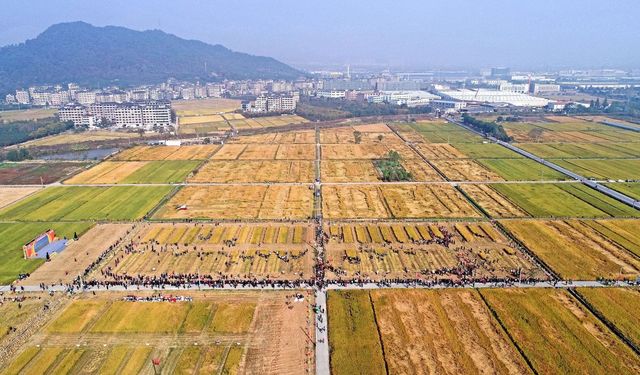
148	107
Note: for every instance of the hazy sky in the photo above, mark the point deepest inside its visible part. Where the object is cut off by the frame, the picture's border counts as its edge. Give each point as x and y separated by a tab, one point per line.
424	33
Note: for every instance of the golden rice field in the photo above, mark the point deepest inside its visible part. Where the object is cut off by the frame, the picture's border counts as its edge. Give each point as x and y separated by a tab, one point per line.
216	332
439	151
303	136
238	251
235	171
394	201
86	136
254	151
366	171
558	334
421	331
574	250
148	153
465	170
494	203
239	202
266	122
424	251
364	151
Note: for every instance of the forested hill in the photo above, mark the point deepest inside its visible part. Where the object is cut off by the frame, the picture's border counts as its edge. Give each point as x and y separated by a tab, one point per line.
98	56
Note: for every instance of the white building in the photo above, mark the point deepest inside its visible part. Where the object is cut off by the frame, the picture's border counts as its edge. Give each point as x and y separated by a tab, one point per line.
522	88
86	97
539	88
273	103
494	96
408	98
331	94
447	105
145	115
22	96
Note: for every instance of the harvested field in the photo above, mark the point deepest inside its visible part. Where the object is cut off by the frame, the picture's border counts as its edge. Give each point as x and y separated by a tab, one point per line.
14	235
582	345
269	121
229	152
423	250
608	119
625	233
9	195
294	137
372	128
296	152
216	332
618	305
420	171
521	170
352	136
256	151
37	173
86	203
234	171
237	251
574	250
494	203
142	153
465	170
66	266
239	202
563	200
209	106
439	151
348	171
364	151
189	120
259	152
389	201
204	128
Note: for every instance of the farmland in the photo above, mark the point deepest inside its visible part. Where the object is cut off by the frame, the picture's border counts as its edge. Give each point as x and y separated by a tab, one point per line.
574	250
521	170
9	195
240	202
424	250
150	153
296	137
86	203
266	122
398	201
204	106
234	171
563	200
582	345
364	151
602	169
26	114
448	331
492	202
280	252
254	151
583	150
465	170
577	131
86	136
486	151
442	132
215	332
14	235
136	172
618	306
37	173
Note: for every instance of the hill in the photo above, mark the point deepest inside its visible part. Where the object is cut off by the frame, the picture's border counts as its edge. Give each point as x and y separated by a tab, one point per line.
99	56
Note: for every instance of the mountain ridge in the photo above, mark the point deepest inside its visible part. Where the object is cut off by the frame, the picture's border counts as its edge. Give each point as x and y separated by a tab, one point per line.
99	56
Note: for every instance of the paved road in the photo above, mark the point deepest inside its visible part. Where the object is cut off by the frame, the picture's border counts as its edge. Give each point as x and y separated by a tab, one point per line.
322	339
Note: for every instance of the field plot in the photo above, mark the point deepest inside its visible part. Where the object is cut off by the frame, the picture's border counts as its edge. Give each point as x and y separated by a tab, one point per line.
269	121
203	127
445	132
522	170
349	135
364	151
439	151
494	203
486	151
86	203
423	332
136	172
582	344
9	195
188	120
86	136
239	202
255	171
204	106
630	189
575	250
150	153
27	114
66	266
17	313
609	119
618	305
296	152
623	169
394	201
573	132
583	150
465	170
14	235
37	173
249	251
423	250
366	171
625	233
216	332
563	200
295	137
